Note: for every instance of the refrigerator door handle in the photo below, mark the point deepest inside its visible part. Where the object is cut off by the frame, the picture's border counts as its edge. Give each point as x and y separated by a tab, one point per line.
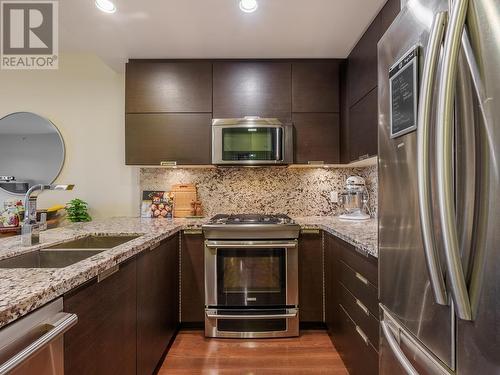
423	159
398	352
444	152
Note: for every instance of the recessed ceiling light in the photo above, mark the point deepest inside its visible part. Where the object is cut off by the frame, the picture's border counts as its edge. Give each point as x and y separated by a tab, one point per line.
248	6
105	6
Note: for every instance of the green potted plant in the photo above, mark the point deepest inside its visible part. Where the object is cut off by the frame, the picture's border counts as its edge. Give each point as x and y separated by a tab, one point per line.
77	211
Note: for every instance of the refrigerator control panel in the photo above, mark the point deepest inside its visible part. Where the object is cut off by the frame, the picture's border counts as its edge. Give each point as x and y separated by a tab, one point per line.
403	93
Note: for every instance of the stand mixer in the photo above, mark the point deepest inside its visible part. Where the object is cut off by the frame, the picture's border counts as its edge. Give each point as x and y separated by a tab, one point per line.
355	199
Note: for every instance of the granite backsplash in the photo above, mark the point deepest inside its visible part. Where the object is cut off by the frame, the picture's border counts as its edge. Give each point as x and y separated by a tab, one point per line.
293	191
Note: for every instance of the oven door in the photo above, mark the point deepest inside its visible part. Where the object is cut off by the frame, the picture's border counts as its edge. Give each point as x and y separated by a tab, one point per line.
251	274
248	144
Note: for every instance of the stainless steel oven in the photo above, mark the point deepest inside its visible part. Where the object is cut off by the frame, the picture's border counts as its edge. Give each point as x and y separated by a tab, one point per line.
251	288
251	141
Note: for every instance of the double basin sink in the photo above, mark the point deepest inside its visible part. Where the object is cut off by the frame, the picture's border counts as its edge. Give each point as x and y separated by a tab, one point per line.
66	253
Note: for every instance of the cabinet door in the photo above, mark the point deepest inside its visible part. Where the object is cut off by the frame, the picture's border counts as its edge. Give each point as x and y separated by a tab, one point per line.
363	124
104	340
315	86
362	63
388	13
252	88
311	277
153	138
316	137
168	86
192	278
331	284
157	303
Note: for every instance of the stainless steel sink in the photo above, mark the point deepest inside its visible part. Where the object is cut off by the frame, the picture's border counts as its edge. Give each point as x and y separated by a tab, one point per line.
66	253
94	242
48	258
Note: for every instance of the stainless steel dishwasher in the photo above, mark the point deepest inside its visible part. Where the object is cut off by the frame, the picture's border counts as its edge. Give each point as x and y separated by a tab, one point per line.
34	344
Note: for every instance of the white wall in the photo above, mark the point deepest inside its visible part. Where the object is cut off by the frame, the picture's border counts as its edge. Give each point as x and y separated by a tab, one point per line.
85	99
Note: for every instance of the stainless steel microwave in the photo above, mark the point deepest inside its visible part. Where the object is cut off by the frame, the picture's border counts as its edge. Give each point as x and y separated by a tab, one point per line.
251	141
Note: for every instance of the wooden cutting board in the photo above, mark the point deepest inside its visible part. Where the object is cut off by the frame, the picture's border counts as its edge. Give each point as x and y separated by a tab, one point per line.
184	194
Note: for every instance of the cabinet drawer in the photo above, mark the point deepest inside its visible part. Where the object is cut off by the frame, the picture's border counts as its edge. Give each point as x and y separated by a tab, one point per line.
359	357
359	286
360	315
366	265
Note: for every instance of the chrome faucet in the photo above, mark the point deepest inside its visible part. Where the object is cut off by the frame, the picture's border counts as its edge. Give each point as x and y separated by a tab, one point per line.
30	231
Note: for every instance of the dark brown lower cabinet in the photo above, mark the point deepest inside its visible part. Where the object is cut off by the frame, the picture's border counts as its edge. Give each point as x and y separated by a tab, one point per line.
192	278
351	311
103	342
127	319
311	277
157	303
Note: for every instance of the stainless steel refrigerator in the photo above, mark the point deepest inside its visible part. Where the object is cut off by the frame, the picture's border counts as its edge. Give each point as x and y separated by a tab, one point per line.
439	189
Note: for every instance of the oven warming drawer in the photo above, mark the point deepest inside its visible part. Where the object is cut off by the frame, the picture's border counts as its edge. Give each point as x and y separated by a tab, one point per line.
251	323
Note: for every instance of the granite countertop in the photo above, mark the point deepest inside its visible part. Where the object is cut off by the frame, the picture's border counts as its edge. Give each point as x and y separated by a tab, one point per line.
24	289
363	235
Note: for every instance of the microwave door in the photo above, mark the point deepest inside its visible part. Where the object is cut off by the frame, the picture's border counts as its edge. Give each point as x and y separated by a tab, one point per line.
250	144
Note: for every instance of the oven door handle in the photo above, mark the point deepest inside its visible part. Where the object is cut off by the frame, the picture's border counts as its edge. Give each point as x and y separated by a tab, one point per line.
236	317
249	244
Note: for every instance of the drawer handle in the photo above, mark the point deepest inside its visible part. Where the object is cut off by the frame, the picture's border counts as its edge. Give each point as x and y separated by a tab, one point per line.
362	307
361	278
363	157
309	231
192	231
107	273
362	335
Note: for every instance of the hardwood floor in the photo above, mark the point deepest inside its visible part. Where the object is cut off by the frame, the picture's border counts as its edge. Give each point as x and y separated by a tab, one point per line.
311	353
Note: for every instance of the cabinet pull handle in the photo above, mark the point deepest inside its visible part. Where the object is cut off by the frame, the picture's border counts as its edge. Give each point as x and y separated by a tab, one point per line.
361	278
107	273
309	231
316	162
155	246
170	163
362	307
363	157
362	335
192	231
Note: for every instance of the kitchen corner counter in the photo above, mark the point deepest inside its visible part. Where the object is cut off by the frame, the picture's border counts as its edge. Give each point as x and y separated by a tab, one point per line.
363	235
23	290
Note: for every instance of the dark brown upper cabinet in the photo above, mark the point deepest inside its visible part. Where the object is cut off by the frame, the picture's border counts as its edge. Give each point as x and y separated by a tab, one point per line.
315	86
363	125
388	13
362	63
153	138
252	88
157	86
359	96
316	137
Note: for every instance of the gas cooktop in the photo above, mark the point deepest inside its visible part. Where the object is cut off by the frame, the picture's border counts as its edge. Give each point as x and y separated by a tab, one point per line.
251	226
251	219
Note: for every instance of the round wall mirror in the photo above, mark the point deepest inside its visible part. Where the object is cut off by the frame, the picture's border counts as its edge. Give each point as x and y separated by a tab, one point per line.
31	152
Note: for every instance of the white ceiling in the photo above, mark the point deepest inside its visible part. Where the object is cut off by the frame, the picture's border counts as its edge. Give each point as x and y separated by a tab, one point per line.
214	29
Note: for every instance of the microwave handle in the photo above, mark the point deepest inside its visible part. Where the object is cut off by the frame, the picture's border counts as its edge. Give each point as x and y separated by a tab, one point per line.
279	144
